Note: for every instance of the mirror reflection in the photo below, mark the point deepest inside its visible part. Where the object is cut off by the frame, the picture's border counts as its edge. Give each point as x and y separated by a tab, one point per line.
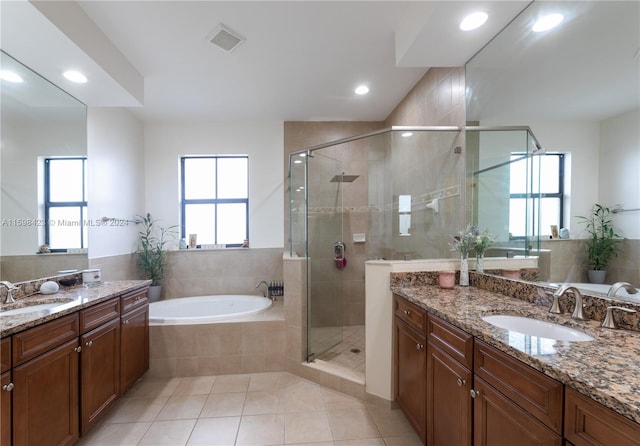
43	133
577	87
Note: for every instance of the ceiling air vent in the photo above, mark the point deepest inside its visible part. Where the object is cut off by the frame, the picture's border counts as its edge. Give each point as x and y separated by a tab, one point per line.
225	38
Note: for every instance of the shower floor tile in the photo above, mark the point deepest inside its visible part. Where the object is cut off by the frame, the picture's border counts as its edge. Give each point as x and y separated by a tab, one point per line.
350	353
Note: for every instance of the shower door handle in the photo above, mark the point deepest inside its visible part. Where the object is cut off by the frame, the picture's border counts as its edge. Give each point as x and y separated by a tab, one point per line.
338	251
339	259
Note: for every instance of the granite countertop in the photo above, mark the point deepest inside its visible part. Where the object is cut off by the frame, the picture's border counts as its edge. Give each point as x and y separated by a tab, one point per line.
606	369
70	299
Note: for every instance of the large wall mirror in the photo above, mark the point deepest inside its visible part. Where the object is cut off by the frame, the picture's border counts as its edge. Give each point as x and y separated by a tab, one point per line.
577	86
39	121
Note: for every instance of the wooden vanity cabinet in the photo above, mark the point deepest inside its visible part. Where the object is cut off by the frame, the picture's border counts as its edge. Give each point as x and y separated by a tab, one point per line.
514	402
6	389
134	338
45	376
99	360
449	382
587	422
411	363
498	421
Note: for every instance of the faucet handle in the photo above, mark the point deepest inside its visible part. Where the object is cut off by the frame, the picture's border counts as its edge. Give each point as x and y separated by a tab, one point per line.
544	295
609	322
555	306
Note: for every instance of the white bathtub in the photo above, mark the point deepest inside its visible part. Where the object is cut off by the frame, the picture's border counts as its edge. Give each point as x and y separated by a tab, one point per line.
622	294
205	309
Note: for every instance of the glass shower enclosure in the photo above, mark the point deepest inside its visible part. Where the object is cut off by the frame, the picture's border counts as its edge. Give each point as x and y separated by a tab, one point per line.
390	194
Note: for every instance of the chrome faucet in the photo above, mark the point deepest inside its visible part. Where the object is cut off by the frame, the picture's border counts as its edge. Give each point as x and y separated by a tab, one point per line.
10	289
616	286
264	282
577	311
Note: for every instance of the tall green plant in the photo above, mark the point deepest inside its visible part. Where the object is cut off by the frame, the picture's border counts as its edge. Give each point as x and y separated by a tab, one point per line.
604	242
152	240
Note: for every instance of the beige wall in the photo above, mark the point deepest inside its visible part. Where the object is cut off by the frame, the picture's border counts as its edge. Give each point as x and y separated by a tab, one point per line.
224	271
437	99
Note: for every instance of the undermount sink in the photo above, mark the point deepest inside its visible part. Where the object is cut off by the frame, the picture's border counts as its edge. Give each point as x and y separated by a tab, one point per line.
30	309
535	327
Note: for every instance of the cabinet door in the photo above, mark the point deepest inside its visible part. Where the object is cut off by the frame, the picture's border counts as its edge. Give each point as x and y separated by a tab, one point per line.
587	423
449	403
99	372
500	422
5	409
411	376
134	346
45	398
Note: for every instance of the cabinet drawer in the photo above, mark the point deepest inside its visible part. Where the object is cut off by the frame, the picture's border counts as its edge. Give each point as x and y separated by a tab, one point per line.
99	314
451	339
37	340
134	299
5	355
587	422
410	313
530	389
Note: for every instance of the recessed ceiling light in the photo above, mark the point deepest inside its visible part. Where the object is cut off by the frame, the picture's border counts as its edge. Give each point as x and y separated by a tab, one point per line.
75	76
10	76
547	22
406	134
362	89
473	21
297	162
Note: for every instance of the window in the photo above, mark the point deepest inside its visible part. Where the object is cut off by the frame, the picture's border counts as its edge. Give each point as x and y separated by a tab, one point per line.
528	176
65	203
215	199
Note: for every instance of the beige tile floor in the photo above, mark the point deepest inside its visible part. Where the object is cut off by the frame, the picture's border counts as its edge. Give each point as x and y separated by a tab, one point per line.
250	409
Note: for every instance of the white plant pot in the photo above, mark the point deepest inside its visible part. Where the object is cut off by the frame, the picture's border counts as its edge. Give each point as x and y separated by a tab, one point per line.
596	275
154	293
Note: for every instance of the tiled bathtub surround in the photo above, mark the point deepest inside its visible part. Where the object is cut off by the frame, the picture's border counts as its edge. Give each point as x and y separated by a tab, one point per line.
606	369
219	271
24	267
255	344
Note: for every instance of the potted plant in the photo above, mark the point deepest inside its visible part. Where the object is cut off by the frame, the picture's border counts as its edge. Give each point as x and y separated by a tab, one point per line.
603	243
152	240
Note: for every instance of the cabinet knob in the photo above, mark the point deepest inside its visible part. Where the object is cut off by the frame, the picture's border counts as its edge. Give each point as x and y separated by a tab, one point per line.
8	387
407	312
78	349
125	322
419	347
474	393
461	382
89	344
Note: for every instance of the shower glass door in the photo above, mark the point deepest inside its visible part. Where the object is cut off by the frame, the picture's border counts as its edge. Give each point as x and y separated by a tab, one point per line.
324	274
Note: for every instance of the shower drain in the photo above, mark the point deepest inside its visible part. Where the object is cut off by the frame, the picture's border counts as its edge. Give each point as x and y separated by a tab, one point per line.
355	350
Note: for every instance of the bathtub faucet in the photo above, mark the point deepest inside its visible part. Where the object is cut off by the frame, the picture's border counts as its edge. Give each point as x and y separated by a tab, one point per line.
616	286
268	294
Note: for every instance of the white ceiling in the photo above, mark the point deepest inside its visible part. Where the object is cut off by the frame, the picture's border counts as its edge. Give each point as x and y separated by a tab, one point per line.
301	60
